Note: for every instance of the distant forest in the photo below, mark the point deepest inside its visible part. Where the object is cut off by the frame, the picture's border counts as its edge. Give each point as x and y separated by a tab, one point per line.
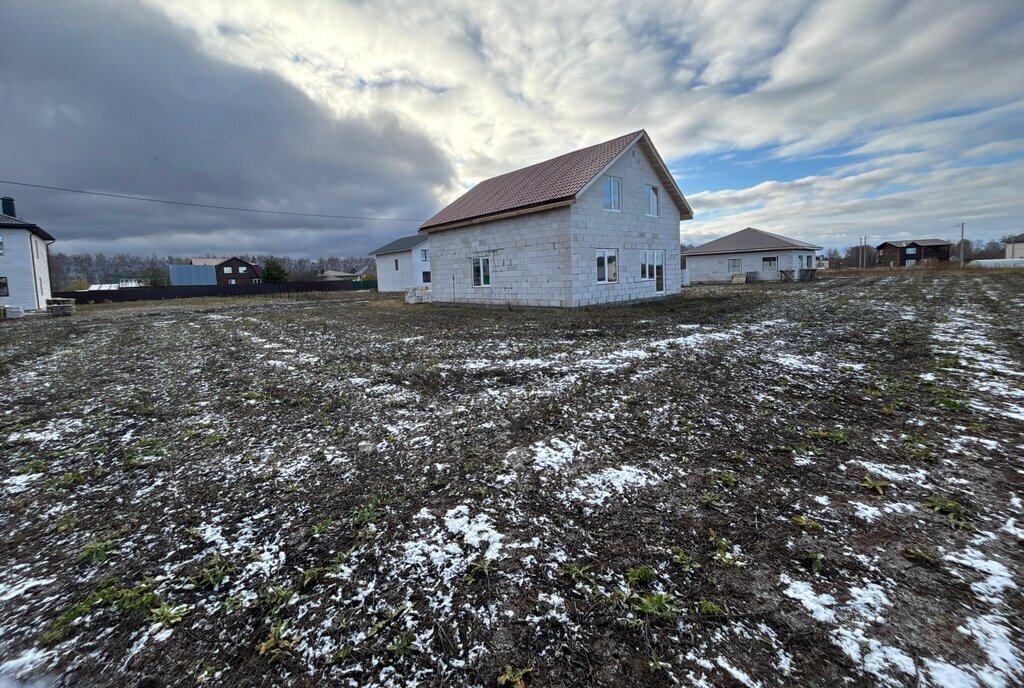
78	270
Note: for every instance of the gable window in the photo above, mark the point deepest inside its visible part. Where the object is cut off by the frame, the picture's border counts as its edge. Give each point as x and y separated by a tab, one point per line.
652	201
611	196
607	265
227	270
242	269
911	250
4	291
424	254
396	263
481	272
426	277
770	264
734	266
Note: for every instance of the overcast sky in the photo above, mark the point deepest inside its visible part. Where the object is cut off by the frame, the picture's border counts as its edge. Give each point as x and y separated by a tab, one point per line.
820	120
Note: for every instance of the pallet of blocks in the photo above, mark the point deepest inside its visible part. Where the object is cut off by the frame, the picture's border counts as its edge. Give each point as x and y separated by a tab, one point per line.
57	307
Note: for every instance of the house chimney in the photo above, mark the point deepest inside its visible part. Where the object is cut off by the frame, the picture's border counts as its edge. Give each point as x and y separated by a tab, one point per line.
8	206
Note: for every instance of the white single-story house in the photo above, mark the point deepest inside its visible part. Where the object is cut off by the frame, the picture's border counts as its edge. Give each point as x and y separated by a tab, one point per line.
24	261
403	264
1015	246
597	225
768	256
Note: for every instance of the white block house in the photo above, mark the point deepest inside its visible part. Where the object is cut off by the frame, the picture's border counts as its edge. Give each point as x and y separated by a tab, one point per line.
403	264
24	260
748	251
1015	246
597	225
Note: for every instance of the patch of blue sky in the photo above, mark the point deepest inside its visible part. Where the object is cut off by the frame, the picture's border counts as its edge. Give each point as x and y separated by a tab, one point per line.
742	169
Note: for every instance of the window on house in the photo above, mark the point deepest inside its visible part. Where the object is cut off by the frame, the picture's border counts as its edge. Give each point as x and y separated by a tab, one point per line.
770	264
396	263
911	250
481	272
611	197
424	254
232	281
652	201
734	266
607	265
227	270
4	291
426	277
653	269
1	244
256	280
242	269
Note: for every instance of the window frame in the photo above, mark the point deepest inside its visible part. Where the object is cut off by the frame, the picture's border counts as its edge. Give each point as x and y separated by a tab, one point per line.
425	277
396	264
773	259
601	256
728	266
613	193
228	270
484	274
910	250
5	286
242	269
424	254
652	195
1	244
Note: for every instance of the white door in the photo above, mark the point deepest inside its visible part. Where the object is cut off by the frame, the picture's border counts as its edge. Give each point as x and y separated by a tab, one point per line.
911	263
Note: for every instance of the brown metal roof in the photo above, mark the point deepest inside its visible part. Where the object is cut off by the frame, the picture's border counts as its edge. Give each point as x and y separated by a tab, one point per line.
750	239
555	181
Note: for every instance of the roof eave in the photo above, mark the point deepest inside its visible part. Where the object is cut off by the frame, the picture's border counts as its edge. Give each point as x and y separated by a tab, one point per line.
514	212
770	249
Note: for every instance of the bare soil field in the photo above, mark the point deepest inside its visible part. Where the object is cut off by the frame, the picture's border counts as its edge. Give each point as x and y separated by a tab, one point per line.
816	484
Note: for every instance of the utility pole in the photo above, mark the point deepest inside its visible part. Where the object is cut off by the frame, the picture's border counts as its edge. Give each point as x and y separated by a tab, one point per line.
961	244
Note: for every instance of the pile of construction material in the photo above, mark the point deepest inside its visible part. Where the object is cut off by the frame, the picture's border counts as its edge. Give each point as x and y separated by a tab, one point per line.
60	306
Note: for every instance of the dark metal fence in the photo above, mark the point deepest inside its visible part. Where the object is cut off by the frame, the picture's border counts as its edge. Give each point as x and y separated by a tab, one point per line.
198	290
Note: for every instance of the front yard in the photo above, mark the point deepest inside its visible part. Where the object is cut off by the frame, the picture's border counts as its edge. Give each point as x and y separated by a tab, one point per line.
767	485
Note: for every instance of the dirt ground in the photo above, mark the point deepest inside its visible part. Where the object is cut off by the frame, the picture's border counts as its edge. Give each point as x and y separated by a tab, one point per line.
764	485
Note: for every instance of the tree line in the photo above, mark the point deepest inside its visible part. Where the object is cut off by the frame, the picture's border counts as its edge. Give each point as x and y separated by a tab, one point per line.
70	271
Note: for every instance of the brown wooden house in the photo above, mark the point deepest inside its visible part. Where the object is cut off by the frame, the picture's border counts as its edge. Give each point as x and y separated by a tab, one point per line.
232	270
907	254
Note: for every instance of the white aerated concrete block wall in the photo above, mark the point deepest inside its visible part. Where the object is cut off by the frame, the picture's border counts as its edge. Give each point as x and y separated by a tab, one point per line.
630	232
715	268
529	257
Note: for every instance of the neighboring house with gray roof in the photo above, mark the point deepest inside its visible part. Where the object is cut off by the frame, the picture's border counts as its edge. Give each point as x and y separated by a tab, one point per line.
752	252
1015	246
597	225
24	260
403	264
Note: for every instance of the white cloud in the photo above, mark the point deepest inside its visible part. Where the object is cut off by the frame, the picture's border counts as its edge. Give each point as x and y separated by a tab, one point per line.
497	85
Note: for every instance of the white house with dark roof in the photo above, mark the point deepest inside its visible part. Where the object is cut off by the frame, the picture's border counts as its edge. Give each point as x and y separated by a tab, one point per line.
768	256
1015	246
597	225
24	260
403	264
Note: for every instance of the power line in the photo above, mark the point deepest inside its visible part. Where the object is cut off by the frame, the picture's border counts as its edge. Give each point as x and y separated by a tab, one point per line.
206	205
